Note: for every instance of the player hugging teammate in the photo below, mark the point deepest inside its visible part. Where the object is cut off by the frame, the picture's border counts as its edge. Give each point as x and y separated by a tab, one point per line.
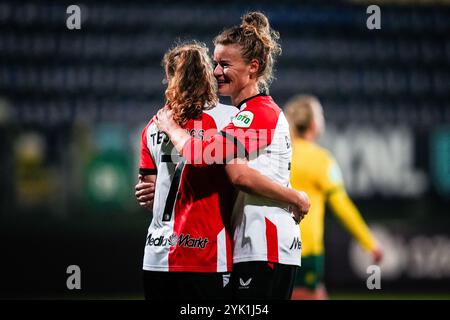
230	208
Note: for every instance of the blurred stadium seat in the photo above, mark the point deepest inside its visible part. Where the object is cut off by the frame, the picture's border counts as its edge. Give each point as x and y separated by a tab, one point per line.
117	53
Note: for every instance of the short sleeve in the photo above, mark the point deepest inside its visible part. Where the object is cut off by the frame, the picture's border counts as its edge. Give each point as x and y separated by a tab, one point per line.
146	164
252	128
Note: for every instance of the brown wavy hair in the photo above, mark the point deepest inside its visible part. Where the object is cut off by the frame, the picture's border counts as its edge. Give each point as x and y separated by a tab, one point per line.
191	85
258	41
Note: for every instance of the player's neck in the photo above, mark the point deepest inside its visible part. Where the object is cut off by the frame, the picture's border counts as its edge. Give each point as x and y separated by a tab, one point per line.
244	93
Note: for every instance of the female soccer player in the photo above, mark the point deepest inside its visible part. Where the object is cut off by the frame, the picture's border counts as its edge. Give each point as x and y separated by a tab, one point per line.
315	170
267	243
188	248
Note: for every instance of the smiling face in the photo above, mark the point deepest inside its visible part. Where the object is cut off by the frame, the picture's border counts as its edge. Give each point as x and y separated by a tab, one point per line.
235	77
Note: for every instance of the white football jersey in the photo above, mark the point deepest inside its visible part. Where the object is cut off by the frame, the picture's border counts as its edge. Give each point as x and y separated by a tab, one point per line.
263	230
190	230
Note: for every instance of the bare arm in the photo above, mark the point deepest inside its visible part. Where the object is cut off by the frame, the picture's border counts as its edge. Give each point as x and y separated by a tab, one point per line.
253	182
145	191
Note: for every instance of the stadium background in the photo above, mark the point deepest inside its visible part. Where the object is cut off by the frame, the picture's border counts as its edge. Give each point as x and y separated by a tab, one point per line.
73	102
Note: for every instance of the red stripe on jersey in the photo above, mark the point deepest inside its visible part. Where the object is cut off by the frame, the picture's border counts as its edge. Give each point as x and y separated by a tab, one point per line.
272	241
203	208
146	161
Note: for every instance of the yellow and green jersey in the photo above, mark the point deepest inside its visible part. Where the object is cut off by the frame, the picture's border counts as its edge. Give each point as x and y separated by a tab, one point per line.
315	171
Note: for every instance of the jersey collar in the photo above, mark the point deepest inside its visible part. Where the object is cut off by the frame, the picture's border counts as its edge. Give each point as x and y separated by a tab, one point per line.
239	106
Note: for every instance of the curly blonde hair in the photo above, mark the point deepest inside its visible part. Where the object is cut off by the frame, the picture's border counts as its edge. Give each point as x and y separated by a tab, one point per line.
191	85
257	41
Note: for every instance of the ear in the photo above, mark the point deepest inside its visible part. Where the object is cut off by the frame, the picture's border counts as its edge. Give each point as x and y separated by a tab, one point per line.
254	67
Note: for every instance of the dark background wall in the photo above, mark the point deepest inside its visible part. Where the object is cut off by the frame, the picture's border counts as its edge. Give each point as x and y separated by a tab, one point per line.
73	102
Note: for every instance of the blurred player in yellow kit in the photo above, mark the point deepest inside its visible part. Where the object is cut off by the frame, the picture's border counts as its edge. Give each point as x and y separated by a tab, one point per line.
315	171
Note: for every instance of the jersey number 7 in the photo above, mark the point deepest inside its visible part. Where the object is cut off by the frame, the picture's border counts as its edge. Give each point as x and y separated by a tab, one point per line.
173	190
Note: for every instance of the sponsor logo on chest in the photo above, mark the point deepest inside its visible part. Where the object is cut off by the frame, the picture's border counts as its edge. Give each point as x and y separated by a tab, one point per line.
182	240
